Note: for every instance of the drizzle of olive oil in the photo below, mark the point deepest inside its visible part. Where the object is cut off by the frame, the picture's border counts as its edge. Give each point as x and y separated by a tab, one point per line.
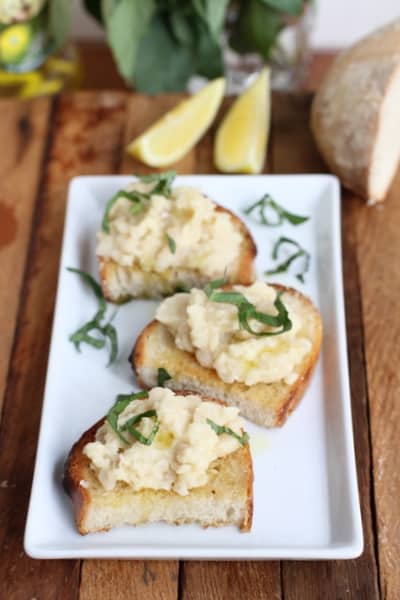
164	439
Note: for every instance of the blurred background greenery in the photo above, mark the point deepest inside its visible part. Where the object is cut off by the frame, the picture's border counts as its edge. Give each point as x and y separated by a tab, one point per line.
157	45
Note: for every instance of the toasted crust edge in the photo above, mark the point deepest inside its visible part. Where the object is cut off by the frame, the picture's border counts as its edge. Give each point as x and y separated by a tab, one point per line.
295	391
244	274
81	498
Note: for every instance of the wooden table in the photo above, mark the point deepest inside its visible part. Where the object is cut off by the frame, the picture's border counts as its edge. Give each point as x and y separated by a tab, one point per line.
43	144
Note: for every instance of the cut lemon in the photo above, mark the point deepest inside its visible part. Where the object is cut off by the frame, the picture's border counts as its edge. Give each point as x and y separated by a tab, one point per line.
172	136
242	137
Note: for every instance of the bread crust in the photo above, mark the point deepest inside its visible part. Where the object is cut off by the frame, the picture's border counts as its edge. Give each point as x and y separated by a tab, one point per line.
77	464
347	108
74	474
292	393
244	273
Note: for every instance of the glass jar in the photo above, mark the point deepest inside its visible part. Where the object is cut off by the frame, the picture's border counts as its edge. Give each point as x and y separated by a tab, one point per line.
30	63
289	57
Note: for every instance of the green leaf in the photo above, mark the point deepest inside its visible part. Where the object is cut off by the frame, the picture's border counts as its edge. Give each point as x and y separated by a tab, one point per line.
171	243
122	401
96	289
267	202
110	332
208	53
107	331
162	182
214	285
181	27
220	429
126	24
59	22
256	28
81	336
163	65
162	376
284	266
212	12
137	198
247	311
290	7
129	426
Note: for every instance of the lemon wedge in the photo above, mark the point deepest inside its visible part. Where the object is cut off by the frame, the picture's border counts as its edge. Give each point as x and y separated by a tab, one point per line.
242	137
172	136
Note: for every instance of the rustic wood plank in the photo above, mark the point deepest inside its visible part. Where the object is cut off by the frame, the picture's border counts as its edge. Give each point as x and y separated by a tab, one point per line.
230	581
378	244
135	579
294	151
23	134
86	139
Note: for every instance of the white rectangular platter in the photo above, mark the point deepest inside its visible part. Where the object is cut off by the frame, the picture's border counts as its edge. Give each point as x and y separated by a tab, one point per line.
305	490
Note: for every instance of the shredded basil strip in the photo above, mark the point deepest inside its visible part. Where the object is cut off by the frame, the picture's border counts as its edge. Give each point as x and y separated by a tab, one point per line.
284	266
162	185
267	202
110	332
219	430
171	243
162	376
81	335
95	287
247	311
163	182
138	200
129	426
106	332
214	285
122	401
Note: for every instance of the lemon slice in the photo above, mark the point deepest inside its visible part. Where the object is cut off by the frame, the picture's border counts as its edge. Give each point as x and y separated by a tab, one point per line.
242	137
172	136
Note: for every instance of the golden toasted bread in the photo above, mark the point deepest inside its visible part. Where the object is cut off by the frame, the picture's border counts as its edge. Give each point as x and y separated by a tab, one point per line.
119	283
267	404
226	499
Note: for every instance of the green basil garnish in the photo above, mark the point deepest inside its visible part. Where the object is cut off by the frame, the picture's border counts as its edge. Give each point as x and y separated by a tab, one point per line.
284	266
129	426
122	401
162	182
171	243
267	202
162	185
220	429
162	376
138	200
96	289
247	311
106	331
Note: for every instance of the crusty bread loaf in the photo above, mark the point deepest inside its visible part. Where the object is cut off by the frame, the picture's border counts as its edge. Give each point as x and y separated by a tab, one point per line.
121	283
226	499
265	404
355	114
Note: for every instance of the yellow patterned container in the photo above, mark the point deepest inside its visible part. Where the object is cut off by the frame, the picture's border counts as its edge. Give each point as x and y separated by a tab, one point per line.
34	59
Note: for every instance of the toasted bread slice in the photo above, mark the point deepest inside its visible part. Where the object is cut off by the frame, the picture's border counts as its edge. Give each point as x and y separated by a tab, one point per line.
119	283
226	499
267	404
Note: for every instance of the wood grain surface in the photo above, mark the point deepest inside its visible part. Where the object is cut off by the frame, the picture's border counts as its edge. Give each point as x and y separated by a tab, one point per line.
86	133
23	138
